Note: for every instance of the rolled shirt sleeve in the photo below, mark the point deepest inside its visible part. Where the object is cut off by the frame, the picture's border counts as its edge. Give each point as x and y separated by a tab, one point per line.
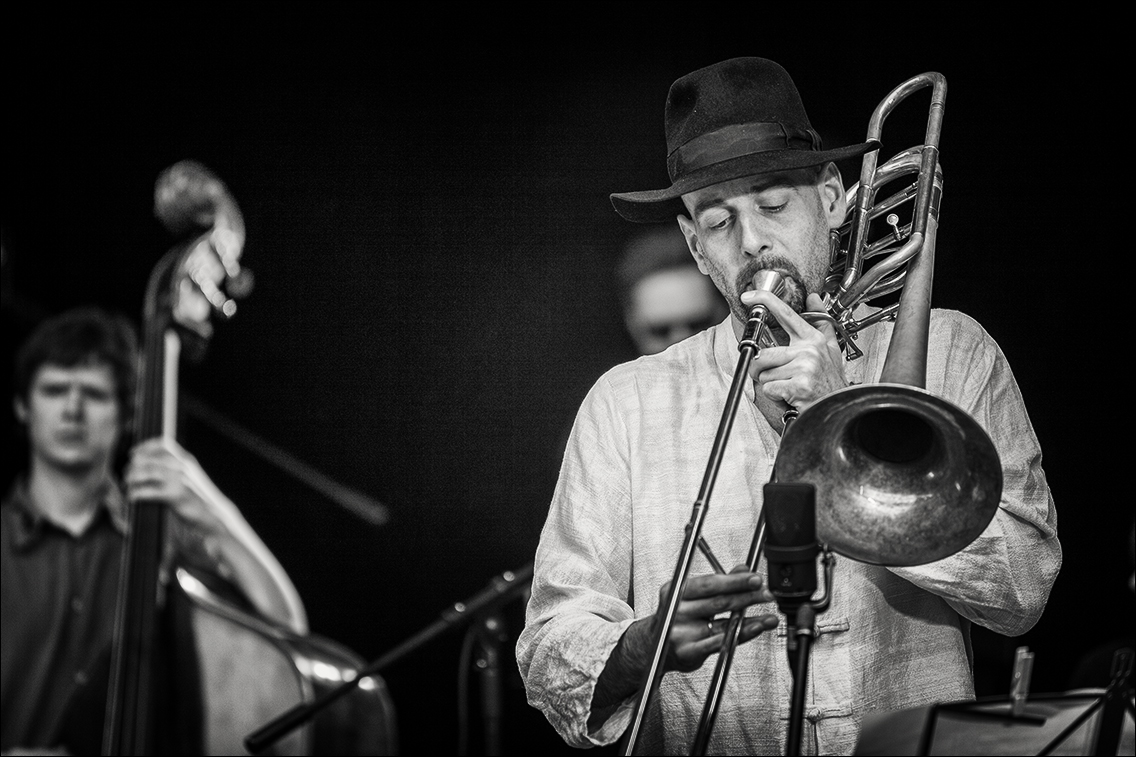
1003	578
583	564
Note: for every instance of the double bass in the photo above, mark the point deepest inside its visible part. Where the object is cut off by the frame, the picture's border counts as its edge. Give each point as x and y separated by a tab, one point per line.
191	670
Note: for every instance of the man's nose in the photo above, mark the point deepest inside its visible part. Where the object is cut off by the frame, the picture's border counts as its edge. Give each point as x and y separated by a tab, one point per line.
73	406
755	237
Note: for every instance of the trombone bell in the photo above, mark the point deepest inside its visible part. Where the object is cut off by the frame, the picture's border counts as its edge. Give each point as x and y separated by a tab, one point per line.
903	477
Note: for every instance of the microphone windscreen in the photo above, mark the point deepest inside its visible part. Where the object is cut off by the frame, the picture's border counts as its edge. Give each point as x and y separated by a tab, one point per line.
790	514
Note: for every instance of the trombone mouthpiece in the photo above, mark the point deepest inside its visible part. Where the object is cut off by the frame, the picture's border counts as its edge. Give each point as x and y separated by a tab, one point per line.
769	281
756	330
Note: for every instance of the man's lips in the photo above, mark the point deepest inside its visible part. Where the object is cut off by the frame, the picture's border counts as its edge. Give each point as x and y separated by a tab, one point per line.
71	436
750	284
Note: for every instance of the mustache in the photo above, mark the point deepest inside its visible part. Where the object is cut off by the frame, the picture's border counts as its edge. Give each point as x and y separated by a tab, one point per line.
794	284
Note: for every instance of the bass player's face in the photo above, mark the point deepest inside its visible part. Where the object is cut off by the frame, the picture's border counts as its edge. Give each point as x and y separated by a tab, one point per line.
72	415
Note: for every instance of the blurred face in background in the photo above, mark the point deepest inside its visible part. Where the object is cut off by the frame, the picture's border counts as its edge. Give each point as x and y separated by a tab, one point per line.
668	306
72	416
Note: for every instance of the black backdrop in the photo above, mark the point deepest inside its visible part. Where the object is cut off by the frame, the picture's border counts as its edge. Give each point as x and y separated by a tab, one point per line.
426	202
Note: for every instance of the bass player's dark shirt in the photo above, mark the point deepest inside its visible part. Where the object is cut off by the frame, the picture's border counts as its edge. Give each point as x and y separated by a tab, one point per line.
56	613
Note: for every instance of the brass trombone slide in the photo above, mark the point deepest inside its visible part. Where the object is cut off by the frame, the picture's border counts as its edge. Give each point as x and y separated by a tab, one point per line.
755	332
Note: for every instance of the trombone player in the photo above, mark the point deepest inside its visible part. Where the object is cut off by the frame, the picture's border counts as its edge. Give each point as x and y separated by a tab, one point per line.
753	190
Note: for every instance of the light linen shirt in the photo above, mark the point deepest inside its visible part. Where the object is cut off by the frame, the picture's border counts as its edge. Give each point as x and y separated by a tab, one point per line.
891	638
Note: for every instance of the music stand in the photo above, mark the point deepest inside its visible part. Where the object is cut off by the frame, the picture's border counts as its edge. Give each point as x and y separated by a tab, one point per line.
1087	721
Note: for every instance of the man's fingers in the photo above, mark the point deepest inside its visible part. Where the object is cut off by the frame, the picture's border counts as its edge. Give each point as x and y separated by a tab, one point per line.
751	627
814	304
716	583
755	626
690	655
716	604
795	326
711	594
149	447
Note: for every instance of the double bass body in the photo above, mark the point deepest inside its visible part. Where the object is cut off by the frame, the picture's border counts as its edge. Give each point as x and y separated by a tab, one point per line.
250	671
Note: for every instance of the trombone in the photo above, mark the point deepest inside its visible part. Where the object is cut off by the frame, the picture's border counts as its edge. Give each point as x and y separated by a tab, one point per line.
902	477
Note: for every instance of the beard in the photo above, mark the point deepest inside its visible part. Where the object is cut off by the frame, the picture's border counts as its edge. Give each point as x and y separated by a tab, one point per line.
793	280
795	291
798	284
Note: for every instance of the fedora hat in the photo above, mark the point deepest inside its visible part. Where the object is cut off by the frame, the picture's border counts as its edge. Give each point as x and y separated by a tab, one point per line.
736	118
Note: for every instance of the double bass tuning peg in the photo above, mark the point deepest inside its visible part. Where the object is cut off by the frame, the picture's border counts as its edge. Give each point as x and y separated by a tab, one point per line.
240	285
190	199
227	243
237	285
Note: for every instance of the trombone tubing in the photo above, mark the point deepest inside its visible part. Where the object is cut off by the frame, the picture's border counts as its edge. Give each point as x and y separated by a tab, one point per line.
866	195
906	361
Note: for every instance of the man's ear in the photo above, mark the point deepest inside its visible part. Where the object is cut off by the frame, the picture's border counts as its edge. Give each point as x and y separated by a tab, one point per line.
833	195
692	243
20	408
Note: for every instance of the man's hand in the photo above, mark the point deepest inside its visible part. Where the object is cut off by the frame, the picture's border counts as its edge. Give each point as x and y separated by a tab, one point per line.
695	634
810	367
161	470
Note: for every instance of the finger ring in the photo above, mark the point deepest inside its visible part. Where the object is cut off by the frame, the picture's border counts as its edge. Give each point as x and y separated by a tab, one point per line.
710	626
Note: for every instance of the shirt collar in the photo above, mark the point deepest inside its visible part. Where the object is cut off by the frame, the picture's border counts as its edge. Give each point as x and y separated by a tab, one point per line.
27	522
726	351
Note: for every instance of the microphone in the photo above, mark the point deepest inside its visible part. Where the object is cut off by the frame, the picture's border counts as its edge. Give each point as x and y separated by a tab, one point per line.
790	551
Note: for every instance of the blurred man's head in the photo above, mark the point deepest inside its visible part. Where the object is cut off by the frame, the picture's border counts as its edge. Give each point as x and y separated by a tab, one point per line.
74	387
664	297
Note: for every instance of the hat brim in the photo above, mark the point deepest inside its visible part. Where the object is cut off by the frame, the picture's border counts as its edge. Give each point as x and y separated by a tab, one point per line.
655	206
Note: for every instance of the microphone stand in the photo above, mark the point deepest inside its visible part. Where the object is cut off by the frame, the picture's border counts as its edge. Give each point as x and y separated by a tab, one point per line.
798	641
500	589
490	635
799	637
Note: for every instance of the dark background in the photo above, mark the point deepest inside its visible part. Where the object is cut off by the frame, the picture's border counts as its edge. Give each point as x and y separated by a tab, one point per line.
426	200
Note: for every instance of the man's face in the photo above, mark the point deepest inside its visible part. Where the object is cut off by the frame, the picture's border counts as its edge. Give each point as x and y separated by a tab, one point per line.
669	305
72	415
777	221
